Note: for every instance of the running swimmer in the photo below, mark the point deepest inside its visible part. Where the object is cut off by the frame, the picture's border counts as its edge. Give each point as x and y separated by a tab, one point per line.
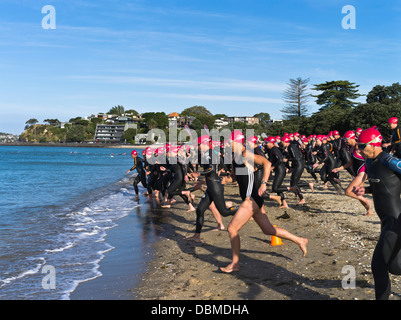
141	176
243	171
357	162
384	175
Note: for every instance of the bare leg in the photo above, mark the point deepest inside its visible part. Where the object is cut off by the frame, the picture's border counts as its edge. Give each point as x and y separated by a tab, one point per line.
242	216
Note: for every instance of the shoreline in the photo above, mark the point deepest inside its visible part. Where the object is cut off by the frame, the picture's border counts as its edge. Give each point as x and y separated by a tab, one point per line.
340	236
77	145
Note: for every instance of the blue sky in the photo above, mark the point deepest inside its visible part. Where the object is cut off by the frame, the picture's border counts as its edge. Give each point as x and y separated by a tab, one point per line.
233	57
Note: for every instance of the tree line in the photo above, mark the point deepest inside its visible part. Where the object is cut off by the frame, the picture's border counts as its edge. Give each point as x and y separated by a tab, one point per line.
338	111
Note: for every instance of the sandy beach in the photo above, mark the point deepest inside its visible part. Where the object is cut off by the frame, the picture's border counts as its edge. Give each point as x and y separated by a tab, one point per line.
341	238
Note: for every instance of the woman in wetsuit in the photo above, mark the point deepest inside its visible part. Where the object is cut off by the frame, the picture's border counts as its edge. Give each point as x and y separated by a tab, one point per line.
384	175
242	171
213	198
357	163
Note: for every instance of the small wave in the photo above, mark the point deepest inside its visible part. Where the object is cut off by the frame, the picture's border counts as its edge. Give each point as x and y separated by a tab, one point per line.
34	270
68	246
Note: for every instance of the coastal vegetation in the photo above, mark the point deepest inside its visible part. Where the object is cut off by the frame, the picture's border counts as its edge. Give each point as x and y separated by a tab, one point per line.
338	111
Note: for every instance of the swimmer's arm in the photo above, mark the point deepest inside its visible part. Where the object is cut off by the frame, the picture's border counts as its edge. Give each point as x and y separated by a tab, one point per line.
392	163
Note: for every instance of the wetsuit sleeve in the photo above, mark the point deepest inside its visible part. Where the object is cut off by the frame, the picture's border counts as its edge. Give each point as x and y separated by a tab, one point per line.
396	136
135	164
392	163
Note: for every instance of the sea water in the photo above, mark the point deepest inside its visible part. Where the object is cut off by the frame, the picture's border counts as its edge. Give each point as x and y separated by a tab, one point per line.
56	206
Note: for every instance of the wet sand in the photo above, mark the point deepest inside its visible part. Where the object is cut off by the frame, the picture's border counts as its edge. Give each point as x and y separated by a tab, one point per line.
341	237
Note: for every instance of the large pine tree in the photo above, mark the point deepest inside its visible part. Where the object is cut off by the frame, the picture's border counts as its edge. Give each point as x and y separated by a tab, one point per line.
296	97
336	94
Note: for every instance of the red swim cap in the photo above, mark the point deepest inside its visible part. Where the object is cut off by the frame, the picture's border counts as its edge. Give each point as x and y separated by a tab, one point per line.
134	152
204	139
393	120
359	130
253	139
336	133
349	135
286	139
270	139
371	136
237	136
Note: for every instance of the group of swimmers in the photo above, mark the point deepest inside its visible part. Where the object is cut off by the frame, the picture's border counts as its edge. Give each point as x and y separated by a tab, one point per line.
165	170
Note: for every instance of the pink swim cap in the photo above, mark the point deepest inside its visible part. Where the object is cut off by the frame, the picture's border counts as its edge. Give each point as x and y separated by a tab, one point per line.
371	136
393	120
237	136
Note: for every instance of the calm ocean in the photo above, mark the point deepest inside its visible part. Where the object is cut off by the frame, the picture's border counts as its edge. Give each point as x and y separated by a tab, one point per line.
57	204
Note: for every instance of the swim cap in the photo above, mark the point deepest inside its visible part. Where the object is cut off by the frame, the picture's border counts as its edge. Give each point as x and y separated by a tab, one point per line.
349	135
270	139
203	139
393	120
237	136
286	139
278	137
253	139
296	134
359	130
304	140
336	133
371	136
134	152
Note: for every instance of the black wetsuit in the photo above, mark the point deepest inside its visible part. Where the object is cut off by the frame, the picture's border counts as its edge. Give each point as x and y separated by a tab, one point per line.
325	156
248	182
214	191
384	175
277	160
310	160
344	156
298	166
141	177
396	142
177	184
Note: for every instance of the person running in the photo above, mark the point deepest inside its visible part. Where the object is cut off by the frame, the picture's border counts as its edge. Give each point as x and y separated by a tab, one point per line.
141	176
357	162
395	141
325	157
244	163
294	155
177	184
384	176
213	198
277	161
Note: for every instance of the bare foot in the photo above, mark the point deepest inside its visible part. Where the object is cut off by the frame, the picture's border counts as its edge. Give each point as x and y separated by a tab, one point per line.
230	268
302	245
220	227
195	238
369	211
311	186
191	208
301	202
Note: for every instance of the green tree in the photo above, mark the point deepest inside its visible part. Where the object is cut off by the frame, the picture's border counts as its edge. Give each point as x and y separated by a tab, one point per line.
385	94
196	111
160	120
118	110
52	122
336	94
76	133
31	122
129	135
296	97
